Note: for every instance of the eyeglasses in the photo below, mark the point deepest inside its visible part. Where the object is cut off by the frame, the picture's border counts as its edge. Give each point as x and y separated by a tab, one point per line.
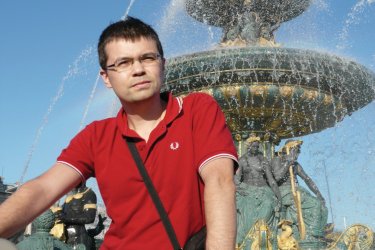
126	63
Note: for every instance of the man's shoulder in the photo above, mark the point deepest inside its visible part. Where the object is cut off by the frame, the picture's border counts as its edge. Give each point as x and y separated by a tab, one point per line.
100	125
198	98
102	122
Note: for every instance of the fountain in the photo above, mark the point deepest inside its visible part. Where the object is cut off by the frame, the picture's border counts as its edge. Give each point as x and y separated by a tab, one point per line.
263	89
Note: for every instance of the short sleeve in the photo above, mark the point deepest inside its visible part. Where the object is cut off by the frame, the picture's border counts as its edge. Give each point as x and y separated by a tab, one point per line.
212	138
78	154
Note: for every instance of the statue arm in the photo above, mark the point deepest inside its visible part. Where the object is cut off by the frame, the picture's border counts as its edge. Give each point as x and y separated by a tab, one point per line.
238	175
99	227
309	182
272	183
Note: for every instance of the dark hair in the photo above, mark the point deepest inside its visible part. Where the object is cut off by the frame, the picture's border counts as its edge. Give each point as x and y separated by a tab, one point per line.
129	29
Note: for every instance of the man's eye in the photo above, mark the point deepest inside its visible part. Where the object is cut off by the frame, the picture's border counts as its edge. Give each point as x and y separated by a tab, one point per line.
123	63
148	58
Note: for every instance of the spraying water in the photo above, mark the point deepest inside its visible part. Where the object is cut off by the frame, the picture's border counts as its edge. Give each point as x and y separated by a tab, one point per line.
128	10
171	13
353	18
92	94
74	69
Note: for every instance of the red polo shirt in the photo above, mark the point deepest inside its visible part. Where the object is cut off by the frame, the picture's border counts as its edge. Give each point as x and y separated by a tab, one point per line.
192	132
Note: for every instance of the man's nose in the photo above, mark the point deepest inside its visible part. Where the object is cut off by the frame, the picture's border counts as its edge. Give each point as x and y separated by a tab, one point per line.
137	67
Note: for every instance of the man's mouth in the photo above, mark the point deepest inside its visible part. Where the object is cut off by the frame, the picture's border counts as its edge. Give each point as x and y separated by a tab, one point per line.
141	84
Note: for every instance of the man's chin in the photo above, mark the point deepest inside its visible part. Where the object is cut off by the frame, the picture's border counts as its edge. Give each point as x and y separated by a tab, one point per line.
140	98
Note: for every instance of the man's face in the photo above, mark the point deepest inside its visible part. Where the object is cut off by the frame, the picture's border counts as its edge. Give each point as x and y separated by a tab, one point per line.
141	81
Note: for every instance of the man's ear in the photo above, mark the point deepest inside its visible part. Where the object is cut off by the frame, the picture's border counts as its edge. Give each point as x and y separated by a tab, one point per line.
105	78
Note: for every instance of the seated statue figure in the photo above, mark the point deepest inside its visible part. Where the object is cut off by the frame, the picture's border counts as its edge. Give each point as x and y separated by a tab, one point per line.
258	196
313	210
41	239
79	209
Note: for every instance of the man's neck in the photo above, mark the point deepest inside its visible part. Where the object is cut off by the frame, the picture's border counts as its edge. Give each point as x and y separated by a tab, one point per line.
144	116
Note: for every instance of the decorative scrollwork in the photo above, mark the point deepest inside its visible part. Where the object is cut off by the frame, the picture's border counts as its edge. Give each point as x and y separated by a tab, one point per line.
355	237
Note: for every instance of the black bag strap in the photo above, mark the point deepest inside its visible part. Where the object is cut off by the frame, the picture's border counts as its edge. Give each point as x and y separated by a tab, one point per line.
154	195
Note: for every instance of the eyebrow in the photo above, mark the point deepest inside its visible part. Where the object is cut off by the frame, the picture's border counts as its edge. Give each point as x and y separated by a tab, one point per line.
123	58
151	52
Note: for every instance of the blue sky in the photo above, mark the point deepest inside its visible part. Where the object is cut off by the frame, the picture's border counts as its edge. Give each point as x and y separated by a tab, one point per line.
49	71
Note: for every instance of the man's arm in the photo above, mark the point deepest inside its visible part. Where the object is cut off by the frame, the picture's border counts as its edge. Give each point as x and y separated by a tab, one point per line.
34	197
220	204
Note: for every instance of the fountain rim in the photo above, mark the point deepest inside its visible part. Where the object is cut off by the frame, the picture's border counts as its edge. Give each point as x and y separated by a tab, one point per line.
261	50
216	61
209	70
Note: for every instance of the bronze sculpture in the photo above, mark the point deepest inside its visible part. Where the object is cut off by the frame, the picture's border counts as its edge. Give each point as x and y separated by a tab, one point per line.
41	239
79	209
258	196
307	212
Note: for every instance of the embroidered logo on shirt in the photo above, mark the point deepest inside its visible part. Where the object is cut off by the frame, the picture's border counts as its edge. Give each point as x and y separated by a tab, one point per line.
174	145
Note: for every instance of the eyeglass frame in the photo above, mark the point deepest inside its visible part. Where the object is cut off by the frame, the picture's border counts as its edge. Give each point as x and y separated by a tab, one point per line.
140	59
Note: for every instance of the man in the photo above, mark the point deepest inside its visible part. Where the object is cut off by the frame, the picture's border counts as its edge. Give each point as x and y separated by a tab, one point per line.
184	144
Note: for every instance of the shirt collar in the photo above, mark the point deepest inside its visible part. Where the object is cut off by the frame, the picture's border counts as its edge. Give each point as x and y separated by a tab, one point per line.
174	108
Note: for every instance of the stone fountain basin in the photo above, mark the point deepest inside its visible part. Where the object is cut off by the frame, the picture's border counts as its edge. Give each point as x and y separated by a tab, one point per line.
222	13
290	92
